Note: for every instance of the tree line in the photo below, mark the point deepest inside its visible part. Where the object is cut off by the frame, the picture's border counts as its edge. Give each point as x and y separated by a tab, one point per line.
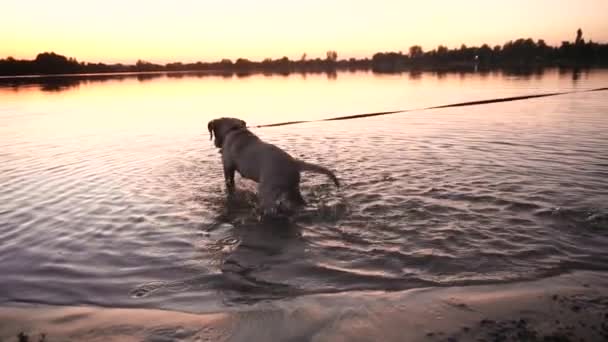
513	54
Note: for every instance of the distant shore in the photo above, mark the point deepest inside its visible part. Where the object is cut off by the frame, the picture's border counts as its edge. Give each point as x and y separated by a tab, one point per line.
459	68
366	65
569	307
520	53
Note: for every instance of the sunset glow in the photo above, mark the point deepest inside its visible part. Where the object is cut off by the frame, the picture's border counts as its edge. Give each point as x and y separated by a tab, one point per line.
166	31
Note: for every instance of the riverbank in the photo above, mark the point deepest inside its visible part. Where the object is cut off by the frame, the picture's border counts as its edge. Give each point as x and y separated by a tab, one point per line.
562	308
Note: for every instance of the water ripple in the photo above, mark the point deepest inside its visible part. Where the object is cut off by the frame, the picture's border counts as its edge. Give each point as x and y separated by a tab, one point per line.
450	197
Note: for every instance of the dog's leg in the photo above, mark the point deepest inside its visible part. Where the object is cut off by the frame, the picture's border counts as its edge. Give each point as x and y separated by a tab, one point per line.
290	201
229	178
268	200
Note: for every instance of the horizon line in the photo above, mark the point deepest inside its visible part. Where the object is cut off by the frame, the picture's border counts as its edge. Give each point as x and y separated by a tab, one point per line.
233	59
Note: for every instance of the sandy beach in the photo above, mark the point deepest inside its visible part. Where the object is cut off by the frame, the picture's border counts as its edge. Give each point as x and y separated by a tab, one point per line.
571	307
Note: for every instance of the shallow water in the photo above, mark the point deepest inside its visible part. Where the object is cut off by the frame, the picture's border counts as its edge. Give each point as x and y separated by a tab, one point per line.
112	194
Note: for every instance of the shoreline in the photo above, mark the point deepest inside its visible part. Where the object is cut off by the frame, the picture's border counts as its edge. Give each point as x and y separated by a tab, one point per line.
568	307
472	68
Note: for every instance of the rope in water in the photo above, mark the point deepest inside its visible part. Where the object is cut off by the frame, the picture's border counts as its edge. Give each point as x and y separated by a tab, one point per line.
460	104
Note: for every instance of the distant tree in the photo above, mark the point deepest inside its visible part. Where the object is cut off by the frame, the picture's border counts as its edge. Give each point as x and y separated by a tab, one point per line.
579	37
243	63
303	58
174	66
332	56
142	65
416	51
388	62
50	57
484	54
50	62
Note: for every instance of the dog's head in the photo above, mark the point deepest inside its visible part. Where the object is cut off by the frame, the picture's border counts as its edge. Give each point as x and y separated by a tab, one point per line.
221	127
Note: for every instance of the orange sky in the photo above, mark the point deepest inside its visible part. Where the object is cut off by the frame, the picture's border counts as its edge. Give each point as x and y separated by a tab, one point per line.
190	30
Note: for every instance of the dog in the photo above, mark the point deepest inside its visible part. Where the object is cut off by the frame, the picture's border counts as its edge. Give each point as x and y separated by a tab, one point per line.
276	172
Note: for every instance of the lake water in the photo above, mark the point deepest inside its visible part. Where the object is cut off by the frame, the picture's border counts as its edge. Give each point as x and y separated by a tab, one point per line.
112	194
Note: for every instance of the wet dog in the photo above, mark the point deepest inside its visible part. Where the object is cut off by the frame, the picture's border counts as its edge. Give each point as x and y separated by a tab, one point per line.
276	172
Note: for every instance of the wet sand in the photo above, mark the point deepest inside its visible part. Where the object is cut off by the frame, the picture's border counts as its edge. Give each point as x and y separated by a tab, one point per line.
571	307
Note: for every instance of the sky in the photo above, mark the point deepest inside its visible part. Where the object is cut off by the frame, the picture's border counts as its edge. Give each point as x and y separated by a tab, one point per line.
207	30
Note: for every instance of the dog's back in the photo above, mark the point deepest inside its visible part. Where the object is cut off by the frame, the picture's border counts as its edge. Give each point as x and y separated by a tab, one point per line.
276	172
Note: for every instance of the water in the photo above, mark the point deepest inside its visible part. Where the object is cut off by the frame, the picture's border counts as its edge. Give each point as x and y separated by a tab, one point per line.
112	194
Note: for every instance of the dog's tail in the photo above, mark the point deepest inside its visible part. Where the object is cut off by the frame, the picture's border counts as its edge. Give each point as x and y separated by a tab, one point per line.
304	166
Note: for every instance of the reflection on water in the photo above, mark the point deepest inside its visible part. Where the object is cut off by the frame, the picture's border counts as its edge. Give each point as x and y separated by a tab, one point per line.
113	195
65	82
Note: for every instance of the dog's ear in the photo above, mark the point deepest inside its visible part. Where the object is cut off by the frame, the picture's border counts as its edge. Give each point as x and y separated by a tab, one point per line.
211	127
244	123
